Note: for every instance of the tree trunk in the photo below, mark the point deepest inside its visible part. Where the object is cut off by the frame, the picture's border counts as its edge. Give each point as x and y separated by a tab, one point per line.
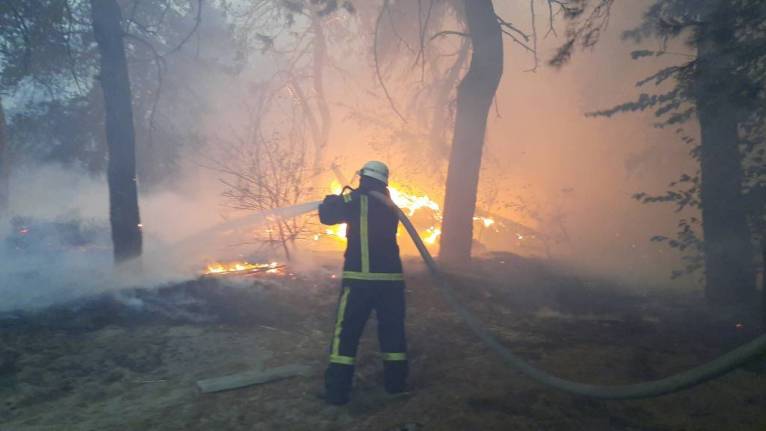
729	270
120	135
5	163
474	98
441	112
763	282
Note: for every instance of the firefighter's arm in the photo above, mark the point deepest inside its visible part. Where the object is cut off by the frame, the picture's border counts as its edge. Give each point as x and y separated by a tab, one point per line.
333	210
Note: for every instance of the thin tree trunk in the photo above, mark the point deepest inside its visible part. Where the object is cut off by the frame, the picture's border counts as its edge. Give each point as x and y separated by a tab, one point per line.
283	239
729	270
5	163
474	98
120	135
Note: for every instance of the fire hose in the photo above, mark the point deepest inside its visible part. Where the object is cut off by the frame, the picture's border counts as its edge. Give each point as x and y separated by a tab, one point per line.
677	382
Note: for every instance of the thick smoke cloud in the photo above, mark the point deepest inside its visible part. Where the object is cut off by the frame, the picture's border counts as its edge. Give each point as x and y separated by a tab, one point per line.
541	149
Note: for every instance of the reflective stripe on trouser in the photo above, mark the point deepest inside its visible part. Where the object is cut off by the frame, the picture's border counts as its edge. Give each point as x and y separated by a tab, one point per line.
394	356
373	276
354	308
335	356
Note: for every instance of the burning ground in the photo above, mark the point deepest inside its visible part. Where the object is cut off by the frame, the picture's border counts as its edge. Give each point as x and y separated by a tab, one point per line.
130	360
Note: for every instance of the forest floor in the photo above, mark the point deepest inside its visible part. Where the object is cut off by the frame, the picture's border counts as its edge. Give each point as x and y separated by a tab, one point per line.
130	361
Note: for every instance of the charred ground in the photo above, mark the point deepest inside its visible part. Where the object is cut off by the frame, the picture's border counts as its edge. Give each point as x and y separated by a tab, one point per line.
130	360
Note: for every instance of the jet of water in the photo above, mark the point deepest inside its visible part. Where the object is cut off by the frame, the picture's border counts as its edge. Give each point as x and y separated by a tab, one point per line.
253	220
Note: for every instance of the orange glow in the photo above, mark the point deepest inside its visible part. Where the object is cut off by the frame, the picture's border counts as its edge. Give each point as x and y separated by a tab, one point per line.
486	221
410	203
432	234
337	231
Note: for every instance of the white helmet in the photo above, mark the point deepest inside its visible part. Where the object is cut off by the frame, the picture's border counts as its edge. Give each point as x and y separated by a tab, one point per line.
375	169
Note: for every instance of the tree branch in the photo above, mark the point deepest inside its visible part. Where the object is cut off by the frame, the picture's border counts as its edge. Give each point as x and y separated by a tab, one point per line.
383	10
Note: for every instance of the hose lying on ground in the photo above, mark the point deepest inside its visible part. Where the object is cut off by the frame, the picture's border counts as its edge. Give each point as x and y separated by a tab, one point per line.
674	383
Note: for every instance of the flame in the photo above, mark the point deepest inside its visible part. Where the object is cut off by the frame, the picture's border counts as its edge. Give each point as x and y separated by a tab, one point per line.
242	267
486	221
432	235
410	205
337	231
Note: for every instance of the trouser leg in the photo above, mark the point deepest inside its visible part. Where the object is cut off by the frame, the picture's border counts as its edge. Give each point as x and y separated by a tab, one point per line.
353	310
390	310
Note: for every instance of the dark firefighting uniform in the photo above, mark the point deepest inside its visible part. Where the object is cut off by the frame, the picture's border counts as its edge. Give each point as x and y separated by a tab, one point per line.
372	280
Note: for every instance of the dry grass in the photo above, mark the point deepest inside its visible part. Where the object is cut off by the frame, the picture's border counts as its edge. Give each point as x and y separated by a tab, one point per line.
106	366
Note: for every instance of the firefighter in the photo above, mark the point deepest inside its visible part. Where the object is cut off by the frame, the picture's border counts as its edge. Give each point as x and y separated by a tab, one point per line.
372	280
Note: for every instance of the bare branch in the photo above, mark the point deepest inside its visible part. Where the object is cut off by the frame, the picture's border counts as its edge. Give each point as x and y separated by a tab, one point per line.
423	29
511	28
512	31
534	35
585	33
517	41
197	21
551	16
383	10
450	32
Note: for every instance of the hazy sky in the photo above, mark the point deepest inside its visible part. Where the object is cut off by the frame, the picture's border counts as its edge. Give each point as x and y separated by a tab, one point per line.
544	141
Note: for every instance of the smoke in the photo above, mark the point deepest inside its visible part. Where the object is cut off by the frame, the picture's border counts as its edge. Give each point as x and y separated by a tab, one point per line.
580	172
56	191
55	242
546	167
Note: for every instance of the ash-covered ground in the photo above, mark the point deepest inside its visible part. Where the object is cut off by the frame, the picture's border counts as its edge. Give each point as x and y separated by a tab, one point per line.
129	360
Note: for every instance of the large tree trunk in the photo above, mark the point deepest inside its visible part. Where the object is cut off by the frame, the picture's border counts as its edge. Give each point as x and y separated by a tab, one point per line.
474	98
763	282
120	136
5	163
729	270
437	135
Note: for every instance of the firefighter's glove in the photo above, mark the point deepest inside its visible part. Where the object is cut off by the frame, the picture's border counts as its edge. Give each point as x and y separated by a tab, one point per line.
331	210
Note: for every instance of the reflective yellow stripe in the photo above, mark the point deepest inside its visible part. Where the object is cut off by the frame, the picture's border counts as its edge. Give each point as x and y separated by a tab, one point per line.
339	322
373	276
364	239
347	198
344	360
394	356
